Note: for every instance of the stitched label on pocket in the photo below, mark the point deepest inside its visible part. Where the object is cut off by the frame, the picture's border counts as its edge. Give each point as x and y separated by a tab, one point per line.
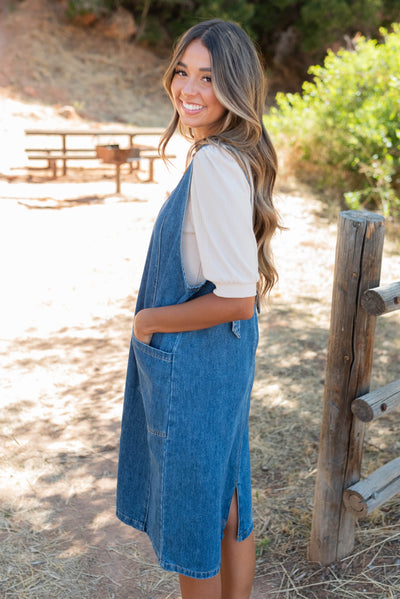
236	328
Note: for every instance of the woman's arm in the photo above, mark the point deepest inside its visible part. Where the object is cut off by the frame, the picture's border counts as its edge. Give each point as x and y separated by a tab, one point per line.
199	313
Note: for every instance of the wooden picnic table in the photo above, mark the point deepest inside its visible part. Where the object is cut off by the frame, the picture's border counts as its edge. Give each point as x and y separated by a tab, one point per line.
133	154
65	152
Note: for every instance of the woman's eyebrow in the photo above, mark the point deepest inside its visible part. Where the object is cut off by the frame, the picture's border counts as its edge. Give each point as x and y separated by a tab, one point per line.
182	64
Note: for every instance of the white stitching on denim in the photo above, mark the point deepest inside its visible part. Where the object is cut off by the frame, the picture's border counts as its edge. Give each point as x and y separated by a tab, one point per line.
158	263
154	354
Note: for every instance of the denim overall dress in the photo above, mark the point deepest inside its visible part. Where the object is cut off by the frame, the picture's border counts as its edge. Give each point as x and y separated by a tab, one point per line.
184	438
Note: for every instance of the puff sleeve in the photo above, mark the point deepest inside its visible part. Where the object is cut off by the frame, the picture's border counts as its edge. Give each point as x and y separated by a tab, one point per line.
219	243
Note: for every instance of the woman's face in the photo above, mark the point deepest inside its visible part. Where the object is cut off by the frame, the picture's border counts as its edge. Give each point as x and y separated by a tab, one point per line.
193	93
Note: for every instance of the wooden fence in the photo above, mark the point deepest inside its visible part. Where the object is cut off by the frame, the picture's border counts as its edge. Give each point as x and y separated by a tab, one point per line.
340	497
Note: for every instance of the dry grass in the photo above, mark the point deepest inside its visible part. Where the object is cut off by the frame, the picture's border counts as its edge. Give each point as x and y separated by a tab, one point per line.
40	564
32	563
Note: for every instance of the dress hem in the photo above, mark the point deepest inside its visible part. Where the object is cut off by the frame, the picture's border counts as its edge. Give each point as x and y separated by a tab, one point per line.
131	521
166	565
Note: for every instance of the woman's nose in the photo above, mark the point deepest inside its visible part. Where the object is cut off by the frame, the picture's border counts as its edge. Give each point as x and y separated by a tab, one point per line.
189	89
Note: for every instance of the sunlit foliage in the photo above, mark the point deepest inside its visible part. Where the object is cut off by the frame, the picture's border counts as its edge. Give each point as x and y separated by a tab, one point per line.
345	125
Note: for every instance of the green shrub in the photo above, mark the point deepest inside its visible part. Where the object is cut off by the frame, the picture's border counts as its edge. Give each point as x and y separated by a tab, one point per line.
78	8
344	129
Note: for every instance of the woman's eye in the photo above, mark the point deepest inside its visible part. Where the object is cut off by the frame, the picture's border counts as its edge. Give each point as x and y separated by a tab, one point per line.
207	79
180	72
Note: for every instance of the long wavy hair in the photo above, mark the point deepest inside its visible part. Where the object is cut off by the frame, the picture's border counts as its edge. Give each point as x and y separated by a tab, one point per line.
239	85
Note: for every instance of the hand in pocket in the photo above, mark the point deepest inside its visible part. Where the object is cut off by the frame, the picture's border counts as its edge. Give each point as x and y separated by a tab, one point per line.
140	335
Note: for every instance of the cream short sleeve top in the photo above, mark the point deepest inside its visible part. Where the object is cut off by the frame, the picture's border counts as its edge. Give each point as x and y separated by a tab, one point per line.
218	242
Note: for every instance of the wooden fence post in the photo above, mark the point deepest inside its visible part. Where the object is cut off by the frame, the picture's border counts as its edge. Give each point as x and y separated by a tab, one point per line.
349	363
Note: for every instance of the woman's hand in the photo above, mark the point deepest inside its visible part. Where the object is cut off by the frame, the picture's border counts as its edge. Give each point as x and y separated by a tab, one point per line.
140	327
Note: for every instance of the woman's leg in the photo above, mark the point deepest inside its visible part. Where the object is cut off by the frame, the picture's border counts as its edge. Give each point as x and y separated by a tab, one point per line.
193	588
238	560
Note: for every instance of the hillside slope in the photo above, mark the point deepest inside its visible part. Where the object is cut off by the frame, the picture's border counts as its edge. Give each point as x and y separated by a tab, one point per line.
46	60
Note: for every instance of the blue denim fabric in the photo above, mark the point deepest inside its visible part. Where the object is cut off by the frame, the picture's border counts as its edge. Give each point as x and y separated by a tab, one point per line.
184	437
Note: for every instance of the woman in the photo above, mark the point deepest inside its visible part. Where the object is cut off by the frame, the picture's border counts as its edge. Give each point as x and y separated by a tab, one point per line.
184	469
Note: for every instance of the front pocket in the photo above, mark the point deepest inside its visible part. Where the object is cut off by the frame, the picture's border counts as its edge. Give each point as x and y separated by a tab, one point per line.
155	370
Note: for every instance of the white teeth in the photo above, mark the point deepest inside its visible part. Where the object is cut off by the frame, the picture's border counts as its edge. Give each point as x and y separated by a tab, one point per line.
191	106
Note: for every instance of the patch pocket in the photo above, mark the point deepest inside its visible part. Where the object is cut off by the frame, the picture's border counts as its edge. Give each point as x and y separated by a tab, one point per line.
155	370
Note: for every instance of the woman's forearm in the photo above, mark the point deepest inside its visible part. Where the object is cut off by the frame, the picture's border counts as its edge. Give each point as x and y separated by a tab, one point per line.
200	313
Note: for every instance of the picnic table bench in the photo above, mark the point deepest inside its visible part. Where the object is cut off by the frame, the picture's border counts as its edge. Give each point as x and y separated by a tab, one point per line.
65	153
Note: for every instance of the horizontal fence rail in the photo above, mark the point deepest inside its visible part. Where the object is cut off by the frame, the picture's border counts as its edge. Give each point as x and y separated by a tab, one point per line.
381	401
382	300
375	490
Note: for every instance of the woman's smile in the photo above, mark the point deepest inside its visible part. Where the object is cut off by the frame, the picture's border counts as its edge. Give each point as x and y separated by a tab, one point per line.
191	108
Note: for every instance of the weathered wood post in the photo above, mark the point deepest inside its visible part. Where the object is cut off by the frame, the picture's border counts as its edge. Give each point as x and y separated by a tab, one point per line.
349	363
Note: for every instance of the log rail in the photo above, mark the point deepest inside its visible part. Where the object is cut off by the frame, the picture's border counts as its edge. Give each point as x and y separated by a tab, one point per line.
371	406
382	300
372	492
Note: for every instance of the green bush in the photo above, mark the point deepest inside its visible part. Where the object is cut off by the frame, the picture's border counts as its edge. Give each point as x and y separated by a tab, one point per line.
78	8
344	129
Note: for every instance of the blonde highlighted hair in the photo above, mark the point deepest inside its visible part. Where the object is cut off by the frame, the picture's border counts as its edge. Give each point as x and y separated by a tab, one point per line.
239	85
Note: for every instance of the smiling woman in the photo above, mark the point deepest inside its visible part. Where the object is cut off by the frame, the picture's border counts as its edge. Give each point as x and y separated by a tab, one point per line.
184	468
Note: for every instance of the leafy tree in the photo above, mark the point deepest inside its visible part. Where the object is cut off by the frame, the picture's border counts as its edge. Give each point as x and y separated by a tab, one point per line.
315	24
321	23
170	18
345	126
76	8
